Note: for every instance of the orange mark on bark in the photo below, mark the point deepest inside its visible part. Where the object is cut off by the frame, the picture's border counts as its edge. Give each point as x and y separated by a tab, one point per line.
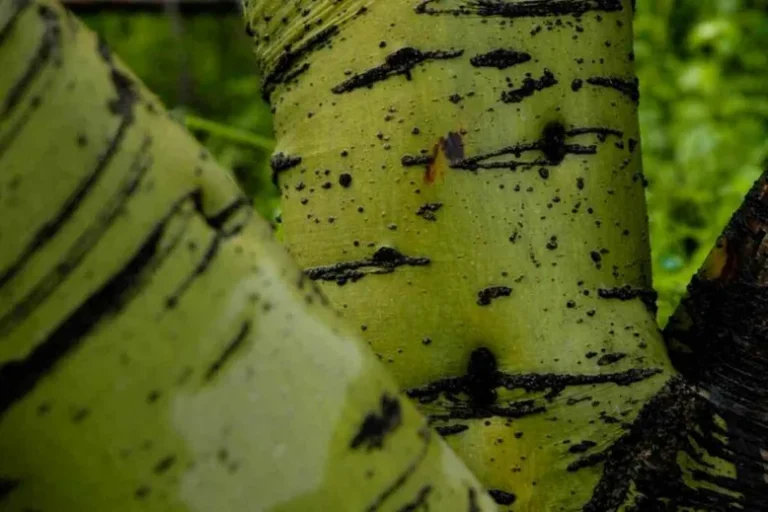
447	150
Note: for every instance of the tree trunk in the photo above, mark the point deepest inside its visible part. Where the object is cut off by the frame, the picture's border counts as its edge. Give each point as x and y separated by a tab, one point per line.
717	339
158	351
463	179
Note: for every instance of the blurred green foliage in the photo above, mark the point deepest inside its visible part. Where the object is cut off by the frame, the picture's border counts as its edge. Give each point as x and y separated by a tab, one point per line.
703	67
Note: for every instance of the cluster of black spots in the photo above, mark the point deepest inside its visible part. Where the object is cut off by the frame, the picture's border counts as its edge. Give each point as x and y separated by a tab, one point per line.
281	162
427	211
377	425
500	59
529	88
400	62
486	295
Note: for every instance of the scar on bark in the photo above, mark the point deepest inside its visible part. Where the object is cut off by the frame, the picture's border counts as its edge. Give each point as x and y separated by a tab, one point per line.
384	261
451	147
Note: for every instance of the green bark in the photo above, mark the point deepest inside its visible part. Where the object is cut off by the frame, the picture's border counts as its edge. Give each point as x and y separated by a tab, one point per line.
158	351
463	179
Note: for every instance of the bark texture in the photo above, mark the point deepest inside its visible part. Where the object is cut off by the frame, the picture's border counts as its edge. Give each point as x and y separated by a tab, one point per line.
718	339
463	180
158	351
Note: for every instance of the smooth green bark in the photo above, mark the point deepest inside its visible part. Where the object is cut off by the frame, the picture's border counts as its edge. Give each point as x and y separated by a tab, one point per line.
158	350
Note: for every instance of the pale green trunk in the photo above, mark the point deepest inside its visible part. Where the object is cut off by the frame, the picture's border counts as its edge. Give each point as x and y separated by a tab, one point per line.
463	179
158	351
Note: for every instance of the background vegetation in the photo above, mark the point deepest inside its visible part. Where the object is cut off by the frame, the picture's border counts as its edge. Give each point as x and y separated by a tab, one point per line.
703	69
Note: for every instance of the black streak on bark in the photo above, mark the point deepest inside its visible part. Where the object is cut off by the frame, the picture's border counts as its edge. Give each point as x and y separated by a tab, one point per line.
419	502
49	44
527	9
113	208
19	378
626	292
400	62
123	106
626	87
426	436
552	145
384	261
284	69
451	430
229	351
18	8
500	59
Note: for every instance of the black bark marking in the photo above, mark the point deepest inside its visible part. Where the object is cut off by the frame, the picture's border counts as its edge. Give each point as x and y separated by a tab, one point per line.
88	239
500	59
411	161
427	211
400	62
626	292
611	358
384	261
7	486
19	378
502	497
49	44
524	9
530	87
126	98
582	447
164	464
647	456
420	501
229	351
554	384
426	436
486	295
472	505
220	221
552	145
376	426
18	8
284	69
450	430
223	229
629	88
281	162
